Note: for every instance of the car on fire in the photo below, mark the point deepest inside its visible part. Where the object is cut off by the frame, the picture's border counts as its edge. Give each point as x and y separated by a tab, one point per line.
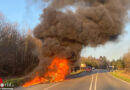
88	69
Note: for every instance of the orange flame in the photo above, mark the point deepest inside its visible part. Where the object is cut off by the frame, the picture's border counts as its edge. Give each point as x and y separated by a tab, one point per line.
58	69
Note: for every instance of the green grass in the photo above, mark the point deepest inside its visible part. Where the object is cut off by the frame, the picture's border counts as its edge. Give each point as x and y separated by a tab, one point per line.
77	72
14	82
120	75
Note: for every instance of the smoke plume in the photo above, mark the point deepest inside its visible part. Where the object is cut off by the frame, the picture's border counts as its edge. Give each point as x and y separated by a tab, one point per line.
90	22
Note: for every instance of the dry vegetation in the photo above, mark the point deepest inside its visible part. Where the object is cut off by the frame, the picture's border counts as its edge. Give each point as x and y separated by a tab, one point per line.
121	74
122	67
127	61
18	53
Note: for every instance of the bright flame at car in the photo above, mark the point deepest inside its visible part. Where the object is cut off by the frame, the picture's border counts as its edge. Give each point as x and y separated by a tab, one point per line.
57	71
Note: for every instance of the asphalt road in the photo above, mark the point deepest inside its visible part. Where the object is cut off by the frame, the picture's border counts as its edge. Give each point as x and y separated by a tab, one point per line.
95	80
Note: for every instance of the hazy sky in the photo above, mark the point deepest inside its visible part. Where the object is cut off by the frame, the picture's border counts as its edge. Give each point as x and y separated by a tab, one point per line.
27	16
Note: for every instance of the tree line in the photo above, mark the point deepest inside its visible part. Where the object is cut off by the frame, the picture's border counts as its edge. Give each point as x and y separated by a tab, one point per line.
18	52
122	63
100	63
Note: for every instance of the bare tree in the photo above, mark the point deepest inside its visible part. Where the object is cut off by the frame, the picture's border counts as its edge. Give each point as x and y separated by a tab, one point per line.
18	54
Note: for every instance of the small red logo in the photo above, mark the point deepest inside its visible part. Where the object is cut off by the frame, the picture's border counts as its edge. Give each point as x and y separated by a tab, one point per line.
1	81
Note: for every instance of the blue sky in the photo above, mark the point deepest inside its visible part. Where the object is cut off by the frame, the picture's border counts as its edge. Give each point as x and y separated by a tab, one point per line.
27	14
23	12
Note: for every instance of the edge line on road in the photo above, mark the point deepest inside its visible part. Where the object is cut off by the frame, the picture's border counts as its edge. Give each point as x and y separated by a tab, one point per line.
119	79
90	88
51	86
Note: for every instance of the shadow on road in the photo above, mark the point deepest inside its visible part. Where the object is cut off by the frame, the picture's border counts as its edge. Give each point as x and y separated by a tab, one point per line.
86	73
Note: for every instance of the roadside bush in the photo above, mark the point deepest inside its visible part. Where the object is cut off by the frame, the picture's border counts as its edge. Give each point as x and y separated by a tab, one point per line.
14	82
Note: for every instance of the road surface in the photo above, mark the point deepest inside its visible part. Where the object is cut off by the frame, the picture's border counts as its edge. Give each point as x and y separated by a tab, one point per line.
95	80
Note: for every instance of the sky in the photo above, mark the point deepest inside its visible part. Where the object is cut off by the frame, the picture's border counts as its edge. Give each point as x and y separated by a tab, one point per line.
27	15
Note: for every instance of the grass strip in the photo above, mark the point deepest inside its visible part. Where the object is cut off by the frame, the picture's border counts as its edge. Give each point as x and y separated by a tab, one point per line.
121	75
77	72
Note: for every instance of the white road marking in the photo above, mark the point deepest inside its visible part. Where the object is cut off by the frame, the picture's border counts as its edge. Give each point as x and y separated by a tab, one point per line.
119	79
51	86
96	82
90	88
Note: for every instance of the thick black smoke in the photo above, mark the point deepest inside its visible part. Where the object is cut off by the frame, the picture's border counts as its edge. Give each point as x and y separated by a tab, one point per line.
63	33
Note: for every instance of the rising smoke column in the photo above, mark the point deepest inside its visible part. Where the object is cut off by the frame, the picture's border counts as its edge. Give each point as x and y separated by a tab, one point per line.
63	33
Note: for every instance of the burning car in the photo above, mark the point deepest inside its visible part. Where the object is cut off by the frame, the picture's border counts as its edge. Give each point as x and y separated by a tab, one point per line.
88	69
